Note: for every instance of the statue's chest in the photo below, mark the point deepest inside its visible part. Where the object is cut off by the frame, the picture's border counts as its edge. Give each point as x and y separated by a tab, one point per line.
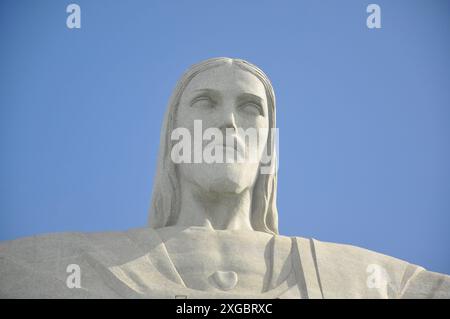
214	263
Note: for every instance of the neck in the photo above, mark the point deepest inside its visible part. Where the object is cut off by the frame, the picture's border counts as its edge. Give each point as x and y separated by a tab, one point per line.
214	210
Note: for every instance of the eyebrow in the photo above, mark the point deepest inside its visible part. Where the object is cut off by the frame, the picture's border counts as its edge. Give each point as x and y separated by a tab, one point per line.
211	91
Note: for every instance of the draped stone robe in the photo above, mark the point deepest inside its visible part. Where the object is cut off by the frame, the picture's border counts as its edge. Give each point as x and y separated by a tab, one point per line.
193	262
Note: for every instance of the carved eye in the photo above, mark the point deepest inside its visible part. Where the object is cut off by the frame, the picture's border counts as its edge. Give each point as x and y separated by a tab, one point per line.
202	102
252	108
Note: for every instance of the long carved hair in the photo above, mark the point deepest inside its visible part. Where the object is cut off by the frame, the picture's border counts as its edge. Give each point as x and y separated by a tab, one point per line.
165	205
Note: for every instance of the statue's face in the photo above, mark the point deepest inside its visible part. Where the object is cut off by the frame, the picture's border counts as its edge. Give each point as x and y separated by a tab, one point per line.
231	100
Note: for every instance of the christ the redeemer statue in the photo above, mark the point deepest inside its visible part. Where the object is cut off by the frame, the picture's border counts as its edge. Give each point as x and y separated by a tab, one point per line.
213	227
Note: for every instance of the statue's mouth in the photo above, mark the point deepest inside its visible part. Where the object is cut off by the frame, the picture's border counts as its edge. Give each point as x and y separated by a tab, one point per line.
235	145
230	146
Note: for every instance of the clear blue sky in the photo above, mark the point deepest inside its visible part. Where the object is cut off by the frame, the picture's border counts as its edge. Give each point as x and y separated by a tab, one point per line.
363	115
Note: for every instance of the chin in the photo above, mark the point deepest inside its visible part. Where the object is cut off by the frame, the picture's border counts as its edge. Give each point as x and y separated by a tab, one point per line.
225	185
227	178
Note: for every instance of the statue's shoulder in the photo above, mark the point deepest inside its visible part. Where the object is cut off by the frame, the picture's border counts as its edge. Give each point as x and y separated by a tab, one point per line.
38	266
44	247
349	271
354	253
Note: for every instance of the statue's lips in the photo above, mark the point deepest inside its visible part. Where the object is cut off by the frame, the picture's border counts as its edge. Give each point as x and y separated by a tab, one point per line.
231	147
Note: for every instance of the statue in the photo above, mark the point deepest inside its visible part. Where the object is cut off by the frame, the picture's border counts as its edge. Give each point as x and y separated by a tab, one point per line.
213	221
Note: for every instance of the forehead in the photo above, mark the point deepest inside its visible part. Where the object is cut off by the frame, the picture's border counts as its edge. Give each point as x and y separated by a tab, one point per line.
227	79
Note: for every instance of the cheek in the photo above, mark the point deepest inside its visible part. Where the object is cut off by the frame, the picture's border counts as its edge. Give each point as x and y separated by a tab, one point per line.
258	143
246	121
261	122
262	126
186	117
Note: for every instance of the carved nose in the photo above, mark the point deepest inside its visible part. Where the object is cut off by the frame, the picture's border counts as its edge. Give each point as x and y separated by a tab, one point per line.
229	122
224	280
